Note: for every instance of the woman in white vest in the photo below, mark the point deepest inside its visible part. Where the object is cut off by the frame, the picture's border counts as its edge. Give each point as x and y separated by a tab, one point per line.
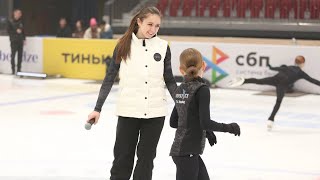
144	64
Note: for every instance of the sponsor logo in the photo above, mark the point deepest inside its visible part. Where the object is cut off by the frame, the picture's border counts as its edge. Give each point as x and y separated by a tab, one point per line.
212	64
180	97
26	57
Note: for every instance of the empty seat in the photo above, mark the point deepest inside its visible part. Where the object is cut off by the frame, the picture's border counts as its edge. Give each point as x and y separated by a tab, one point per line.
214	7
201	6
255	8
228	6
187	7
162	5
242	6
299	7
314	6
270	8
285	8
174	6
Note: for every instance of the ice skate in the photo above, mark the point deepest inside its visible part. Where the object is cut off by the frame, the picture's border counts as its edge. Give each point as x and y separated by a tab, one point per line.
238	81
270	125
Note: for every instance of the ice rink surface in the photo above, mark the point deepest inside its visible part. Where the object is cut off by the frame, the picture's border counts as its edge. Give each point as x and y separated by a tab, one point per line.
42	135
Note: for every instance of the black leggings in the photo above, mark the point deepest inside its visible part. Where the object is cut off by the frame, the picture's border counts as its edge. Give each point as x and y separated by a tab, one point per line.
129	130
281	89
190	168
16	47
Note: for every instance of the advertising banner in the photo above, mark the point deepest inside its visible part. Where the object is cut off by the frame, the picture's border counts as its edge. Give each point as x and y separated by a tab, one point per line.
228	60
32	58
77	58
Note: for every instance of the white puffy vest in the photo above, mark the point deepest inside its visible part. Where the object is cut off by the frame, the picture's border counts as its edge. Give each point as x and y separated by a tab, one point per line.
142	91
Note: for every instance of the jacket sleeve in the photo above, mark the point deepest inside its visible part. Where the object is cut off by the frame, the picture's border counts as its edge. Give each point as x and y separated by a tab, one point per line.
174	118
167	74
203	97
9	28
108	82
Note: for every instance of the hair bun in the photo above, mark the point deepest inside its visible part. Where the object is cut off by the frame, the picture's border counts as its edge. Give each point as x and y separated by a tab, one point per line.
192	71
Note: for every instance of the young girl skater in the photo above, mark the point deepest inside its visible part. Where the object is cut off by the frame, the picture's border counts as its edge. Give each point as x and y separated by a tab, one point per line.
283	81
191	117
144	64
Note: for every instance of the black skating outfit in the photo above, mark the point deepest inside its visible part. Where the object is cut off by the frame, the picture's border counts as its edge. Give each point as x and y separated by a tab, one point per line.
283	81
191	117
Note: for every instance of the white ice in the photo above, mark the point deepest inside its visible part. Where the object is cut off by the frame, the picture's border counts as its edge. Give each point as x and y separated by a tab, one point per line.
42	135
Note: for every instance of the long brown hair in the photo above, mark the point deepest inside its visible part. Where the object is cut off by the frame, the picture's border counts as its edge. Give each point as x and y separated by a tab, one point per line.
124	44
191	62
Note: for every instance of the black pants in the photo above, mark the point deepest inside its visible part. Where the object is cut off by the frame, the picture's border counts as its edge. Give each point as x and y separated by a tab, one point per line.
16	47
281	89
128	131
190	168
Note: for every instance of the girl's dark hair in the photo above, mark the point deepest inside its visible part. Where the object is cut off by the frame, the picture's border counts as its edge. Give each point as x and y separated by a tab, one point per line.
299	60
191	62
81	22
17	9
124	44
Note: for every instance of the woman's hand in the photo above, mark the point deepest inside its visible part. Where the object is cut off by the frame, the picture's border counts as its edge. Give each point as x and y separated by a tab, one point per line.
94	115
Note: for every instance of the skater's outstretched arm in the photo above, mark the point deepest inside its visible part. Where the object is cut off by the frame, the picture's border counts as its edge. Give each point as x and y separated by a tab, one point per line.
203	97
310	79
277	68
108	81
174	118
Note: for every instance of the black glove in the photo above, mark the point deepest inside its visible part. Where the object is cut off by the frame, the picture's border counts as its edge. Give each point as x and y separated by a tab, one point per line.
211	138
232	128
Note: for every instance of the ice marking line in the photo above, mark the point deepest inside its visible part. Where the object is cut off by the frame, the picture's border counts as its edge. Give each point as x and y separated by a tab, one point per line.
270	170
45	99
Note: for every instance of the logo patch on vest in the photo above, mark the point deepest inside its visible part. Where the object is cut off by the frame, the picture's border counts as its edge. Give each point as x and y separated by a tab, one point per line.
157	56
180	97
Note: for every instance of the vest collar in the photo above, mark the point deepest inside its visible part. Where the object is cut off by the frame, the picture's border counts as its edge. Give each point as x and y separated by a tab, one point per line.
142	42
135	38
197	79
